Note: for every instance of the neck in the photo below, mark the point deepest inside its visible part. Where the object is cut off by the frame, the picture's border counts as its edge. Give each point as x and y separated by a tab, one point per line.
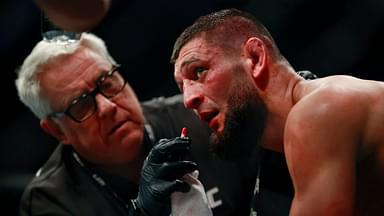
278	98
130	171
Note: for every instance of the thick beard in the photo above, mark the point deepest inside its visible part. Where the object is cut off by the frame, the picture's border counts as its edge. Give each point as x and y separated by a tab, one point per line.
243	126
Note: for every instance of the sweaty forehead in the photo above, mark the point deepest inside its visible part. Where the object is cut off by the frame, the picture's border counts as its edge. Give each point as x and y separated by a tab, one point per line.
196	49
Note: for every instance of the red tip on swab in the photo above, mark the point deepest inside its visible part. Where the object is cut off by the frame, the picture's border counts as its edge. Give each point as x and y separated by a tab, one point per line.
183	132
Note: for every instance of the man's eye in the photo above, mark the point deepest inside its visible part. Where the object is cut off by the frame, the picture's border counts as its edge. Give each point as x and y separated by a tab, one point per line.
199	71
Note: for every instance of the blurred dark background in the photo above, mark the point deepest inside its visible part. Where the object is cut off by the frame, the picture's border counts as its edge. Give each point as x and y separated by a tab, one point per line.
327	37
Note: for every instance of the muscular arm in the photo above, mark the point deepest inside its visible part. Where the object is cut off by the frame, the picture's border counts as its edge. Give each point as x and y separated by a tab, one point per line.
321	142
74	15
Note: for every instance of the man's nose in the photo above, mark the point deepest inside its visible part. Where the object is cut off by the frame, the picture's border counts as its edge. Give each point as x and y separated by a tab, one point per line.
105	105
193	94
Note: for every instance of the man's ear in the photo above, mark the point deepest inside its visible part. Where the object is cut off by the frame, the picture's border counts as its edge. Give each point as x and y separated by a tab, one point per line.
256	51
53	129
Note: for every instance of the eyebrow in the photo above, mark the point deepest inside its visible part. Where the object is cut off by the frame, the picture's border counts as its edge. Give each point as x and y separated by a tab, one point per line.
102	73
189	61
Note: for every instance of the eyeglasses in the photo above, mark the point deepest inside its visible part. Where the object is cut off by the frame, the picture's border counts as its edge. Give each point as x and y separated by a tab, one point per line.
83	107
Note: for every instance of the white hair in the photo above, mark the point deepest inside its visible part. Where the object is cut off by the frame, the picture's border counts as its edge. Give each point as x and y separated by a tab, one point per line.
27	82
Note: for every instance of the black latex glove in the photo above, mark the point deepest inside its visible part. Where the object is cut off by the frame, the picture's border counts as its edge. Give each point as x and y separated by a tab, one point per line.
161	173
308	75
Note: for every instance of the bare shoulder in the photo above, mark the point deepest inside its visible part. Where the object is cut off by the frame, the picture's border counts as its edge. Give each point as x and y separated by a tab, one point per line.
334	123
338	107
326	98
323	131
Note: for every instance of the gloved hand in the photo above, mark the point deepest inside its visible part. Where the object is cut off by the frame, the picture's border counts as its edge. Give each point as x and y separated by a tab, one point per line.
161	173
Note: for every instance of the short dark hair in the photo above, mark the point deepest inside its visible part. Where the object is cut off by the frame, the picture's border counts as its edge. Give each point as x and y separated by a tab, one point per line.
220	25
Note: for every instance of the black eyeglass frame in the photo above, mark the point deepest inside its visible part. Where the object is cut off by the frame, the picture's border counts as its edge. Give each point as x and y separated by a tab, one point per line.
92	94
